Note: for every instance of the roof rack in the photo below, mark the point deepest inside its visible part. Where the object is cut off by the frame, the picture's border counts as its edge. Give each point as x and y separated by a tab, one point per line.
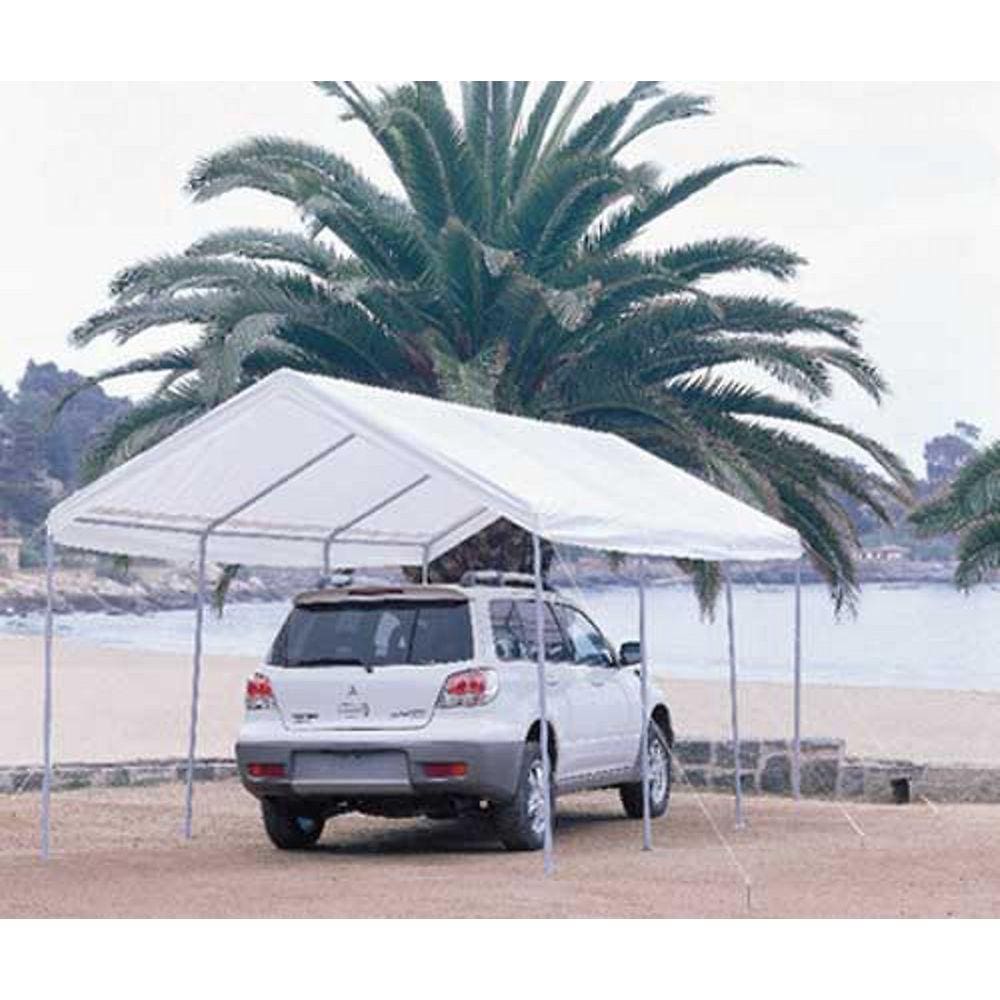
499	578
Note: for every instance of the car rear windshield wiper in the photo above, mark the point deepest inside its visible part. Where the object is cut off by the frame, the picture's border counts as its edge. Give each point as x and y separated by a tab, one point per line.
329	661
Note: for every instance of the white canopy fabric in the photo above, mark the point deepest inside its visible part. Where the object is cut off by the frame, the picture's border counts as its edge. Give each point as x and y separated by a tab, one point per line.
299	467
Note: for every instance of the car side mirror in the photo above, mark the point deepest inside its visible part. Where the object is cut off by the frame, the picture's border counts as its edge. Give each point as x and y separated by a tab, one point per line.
630	654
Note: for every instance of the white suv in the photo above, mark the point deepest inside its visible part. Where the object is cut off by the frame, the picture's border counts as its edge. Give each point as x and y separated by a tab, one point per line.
423	700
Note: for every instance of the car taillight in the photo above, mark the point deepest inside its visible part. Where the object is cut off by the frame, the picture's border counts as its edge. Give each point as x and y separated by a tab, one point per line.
266	770
260	694
446	769
468	688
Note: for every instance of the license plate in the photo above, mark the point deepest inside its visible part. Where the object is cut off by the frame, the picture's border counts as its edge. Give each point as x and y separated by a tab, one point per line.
344	767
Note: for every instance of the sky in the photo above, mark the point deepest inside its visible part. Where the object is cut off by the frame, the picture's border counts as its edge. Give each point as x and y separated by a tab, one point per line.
894	203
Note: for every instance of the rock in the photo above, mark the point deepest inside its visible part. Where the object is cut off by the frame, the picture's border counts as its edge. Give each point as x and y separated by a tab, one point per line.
726	780
959	784
64	778
693	751
111	777
749	754
86	601
819	777
148	775
776	777
29	780
694	777
202	771
824	746
852	781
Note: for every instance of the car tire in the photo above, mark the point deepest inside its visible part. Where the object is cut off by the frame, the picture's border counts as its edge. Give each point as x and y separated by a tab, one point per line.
290	827
660	762
520	823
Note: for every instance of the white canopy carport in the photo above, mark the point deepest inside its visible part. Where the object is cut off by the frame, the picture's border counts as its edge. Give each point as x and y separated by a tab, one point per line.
302	470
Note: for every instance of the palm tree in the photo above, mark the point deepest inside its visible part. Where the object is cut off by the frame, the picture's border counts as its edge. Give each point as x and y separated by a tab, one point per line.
506	277
970	507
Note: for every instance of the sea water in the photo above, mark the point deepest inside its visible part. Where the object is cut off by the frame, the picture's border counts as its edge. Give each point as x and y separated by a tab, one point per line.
924	636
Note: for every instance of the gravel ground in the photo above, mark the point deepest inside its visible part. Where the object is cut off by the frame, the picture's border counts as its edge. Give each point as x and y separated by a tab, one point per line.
118	852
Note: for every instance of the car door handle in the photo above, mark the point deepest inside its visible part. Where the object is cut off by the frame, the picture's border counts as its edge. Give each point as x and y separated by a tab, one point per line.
552	682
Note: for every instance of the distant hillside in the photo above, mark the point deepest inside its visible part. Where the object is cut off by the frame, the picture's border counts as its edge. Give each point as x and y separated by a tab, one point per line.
40	453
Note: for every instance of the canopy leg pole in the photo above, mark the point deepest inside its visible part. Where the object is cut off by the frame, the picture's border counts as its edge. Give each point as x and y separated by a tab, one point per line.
326	563
46	831
199	621
548	864
797	710
730	627
647	825
425	567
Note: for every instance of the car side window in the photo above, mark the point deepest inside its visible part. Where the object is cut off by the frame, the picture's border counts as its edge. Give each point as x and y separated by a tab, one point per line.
587	645
513	625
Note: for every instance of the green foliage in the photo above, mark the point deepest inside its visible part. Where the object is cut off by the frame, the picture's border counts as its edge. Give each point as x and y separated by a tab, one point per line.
970	507
506	278
46	426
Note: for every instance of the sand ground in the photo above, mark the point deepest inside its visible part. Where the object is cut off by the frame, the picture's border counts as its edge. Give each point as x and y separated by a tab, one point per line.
118	852
114	704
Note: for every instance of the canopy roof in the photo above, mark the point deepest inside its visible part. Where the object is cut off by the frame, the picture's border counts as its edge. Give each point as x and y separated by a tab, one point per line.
298	466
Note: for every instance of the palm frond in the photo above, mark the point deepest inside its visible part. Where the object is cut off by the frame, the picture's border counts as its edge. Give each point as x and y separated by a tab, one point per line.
978	554
562	124
626	224
670	108
527	146
274	245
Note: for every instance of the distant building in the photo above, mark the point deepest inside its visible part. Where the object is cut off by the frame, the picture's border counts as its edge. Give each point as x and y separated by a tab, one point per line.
885	553
10	554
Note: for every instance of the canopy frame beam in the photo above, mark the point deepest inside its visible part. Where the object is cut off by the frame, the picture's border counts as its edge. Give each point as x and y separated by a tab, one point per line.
734	706
647	825
797	693
47	700
365	514
548	862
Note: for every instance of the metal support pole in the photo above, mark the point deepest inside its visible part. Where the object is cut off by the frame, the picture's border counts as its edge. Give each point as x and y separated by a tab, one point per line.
797	711
542	707
647	826
737	779
199	621
47	709
425	567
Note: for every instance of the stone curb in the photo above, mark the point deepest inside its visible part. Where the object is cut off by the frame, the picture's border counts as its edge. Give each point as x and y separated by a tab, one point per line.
765	767
115	774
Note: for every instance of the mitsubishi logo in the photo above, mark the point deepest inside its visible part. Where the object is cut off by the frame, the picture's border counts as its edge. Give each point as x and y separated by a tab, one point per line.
353	707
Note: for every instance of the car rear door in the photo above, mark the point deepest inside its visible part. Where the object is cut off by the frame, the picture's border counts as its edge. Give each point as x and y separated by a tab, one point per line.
513	623
605	717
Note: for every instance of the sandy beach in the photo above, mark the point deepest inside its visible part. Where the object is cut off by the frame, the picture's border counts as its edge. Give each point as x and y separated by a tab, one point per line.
115	704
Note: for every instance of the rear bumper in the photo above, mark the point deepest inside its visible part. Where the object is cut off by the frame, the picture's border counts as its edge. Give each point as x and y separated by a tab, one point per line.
492	771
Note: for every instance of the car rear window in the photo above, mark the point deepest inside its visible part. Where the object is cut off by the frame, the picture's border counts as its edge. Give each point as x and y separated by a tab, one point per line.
366	633
514	624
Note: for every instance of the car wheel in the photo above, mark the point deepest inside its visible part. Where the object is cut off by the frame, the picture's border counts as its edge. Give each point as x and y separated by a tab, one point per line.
290	827
660	774
520	823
